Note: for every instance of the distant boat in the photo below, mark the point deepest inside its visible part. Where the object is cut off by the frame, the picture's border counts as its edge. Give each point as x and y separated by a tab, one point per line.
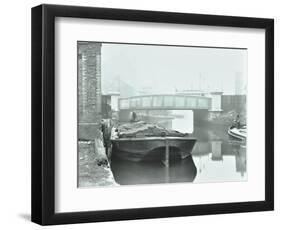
140	140
238	133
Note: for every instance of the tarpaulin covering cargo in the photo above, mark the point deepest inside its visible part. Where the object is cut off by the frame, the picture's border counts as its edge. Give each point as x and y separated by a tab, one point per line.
143	129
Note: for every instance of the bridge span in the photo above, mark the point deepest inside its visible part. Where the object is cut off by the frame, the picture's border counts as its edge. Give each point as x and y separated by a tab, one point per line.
165	102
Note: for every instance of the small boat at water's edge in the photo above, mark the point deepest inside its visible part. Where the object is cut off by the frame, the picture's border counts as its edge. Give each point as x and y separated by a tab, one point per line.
239	133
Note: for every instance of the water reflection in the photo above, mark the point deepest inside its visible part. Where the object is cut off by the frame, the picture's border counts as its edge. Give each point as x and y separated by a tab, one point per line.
153	171
218	157
219	161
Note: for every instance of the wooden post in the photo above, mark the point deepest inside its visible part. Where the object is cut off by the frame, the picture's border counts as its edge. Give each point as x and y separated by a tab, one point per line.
167	154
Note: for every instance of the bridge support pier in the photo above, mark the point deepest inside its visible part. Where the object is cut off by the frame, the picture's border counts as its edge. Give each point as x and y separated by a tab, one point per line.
216	101
215	109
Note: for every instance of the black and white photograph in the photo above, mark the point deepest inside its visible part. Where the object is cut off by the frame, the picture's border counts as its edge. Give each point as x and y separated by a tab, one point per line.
155	114
150	113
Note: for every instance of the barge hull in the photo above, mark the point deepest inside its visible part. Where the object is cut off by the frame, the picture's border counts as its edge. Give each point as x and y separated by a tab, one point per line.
136	149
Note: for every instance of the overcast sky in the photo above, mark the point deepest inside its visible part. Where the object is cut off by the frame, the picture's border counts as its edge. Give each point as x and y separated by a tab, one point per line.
166	68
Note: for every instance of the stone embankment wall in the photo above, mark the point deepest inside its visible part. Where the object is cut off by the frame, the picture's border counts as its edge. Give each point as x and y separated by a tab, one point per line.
94	168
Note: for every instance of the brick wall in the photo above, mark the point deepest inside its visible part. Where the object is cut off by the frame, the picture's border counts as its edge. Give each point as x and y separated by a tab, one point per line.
89	87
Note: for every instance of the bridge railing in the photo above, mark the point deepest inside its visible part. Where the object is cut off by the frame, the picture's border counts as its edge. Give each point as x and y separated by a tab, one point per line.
164	102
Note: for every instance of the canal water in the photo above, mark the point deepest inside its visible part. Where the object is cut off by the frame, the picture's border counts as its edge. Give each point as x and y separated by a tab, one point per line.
216	157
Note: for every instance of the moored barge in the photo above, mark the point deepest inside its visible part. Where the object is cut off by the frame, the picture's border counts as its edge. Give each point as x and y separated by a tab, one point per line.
136	141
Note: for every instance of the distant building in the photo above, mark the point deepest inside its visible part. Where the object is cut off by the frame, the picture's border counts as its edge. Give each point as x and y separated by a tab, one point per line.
111	99
115	84
191	92
146	91
240	84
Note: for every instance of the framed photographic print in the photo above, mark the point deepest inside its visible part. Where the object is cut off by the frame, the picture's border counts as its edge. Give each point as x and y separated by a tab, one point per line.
143	114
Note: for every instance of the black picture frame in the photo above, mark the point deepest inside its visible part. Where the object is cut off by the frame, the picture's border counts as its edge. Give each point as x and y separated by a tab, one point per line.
43	113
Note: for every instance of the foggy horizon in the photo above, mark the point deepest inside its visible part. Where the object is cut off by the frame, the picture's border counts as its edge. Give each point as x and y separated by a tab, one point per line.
166	69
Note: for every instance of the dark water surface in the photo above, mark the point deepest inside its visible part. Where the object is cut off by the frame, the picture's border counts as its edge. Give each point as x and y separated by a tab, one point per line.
216	157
